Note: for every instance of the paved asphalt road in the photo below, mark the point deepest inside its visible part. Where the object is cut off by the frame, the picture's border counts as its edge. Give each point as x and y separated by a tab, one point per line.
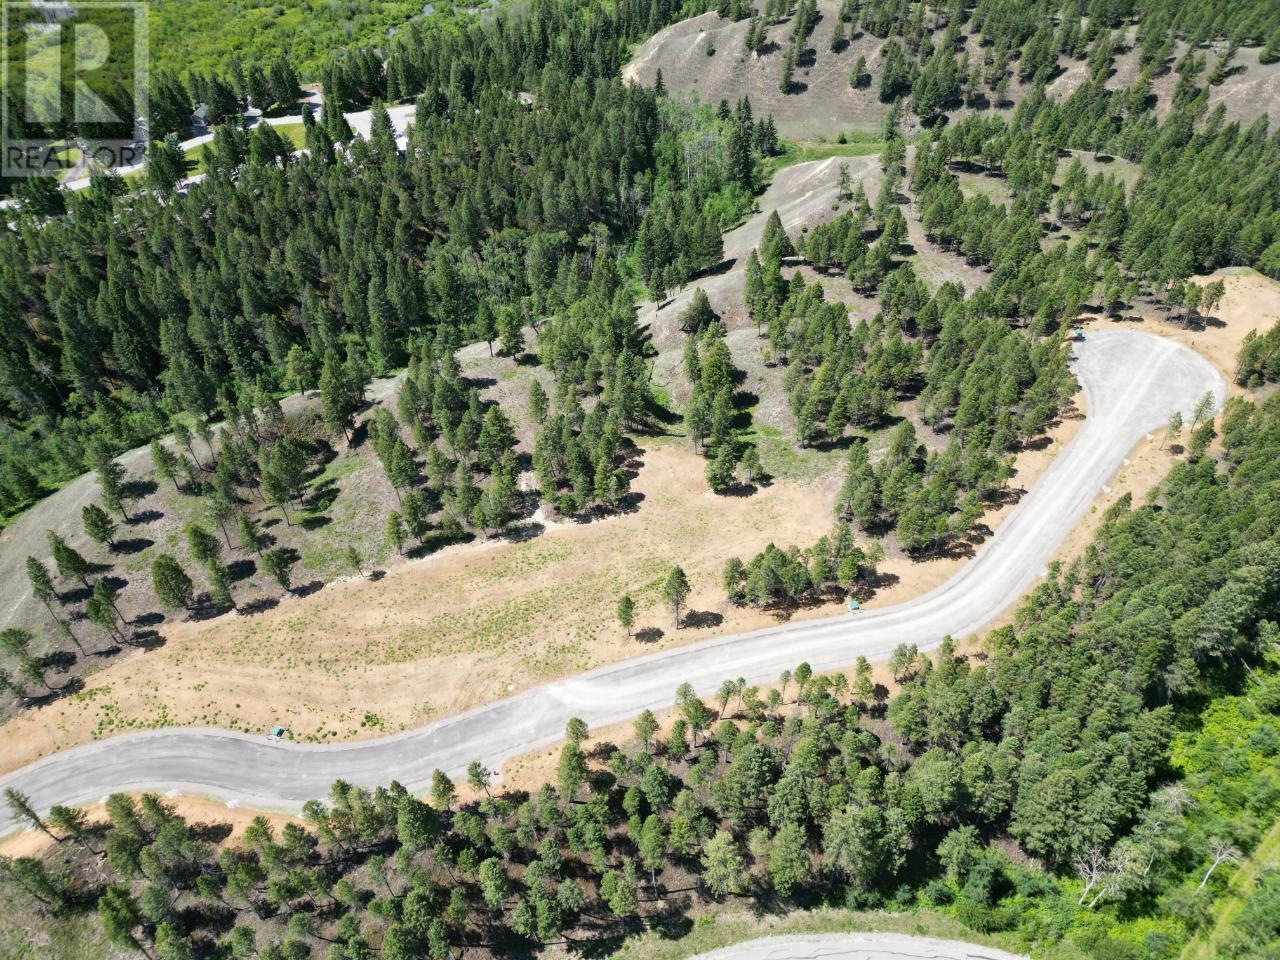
856	946
1132	382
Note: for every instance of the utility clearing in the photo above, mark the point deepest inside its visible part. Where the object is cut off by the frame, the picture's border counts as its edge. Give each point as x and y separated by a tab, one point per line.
472	623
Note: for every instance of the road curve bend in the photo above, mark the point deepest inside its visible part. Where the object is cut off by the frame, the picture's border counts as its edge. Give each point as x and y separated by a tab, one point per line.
856	946
1132	383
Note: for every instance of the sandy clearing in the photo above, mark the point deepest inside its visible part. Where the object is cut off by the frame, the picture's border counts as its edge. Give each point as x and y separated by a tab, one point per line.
469	624
1250	304
1147	464
857	946
1131	381
195	810
477	622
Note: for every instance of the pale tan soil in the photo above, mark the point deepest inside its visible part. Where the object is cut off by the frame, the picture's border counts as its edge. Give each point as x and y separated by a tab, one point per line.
722	926
439	635
822	103
1250	91
1150	461
1251	303
195	810
345	505
436	636
442	634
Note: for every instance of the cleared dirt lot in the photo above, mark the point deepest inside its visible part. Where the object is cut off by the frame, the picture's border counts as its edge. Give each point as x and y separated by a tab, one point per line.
436	636
471	623
475	622
1251	303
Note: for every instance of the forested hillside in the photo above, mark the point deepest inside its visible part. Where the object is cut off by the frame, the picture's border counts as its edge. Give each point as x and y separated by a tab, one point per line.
548	179
1085	786
165	311
855	57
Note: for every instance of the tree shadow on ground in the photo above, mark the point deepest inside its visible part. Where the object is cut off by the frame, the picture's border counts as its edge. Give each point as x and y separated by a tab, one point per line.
882	581
138	488
435	542
315	523
206	609
60	660
322	496
147	639
210	832
519	532
260	605
649	634
243	569
131	545
45	696
700	619
77	594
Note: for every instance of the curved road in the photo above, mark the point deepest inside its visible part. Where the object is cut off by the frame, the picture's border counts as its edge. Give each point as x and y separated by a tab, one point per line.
856	946
1132	382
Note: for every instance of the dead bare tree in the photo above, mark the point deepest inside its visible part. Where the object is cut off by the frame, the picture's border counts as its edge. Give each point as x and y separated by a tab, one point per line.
1107	876
1221	852
1091	867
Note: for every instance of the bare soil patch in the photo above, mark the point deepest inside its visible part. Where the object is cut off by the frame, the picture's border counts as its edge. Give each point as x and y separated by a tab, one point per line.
347	499
1251	304
433	637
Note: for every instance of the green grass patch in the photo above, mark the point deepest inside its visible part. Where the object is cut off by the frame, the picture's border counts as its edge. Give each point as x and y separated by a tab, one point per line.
78	937
802	151
785	461
662	397
195	158
295	133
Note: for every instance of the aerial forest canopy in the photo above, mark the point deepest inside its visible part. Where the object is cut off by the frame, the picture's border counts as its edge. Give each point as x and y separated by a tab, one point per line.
1077	787
529	163
130	308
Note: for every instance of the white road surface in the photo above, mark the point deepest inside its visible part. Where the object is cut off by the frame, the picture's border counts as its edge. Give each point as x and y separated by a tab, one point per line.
361	122
1132	382
856	946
